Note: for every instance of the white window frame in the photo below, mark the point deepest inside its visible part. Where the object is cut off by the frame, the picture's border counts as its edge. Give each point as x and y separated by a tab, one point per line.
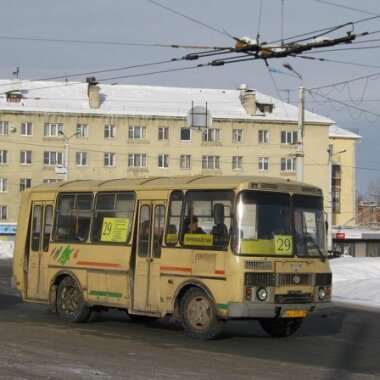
289	137
3	156
263	136
237	136
4	128
109	131
163	133
109	160
25	183
26	128
186	131
53	158
3	185
185	161
3	212
163	161
25	157
263	164
81	131
288	164
81	158
137	160
237	162
53	129
210	162
211	135
136	132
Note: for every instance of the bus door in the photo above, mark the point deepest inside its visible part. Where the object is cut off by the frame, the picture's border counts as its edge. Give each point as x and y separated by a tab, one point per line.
39	236
146	291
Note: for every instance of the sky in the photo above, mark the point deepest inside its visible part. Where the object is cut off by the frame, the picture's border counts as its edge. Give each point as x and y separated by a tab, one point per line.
356	281
130	42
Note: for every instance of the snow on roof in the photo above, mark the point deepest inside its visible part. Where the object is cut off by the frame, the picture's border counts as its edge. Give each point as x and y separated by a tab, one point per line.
72	97
338	132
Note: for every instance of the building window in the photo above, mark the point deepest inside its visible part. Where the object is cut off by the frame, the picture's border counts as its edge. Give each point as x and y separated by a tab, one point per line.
288	164
53	158
237	162
136	133
185	161
24	183
3	212
136	160
263	136
335	199
3	156
237	136
4	127
25	157
26	129
288	137
52	129
109	159
163	133
211	134
81	158
3	185
51	180
210	162
82	131
109	131
263	164
163	161
185	134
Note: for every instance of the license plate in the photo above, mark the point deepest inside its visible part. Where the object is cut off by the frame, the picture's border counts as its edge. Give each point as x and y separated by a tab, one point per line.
294	314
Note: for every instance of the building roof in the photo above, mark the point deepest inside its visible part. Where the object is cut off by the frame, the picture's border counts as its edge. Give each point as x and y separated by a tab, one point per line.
337	132
121	100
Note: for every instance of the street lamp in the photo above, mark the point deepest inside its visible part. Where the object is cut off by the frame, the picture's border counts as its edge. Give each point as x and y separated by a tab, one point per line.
331	153
67	148
301	123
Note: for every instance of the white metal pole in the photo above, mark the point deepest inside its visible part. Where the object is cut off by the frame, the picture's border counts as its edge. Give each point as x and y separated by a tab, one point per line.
301	121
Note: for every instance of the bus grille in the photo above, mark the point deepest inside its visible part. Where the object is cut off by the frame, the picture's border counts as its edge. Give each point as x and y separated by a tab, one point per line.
323	279
282	279
260	279
294	279
293	298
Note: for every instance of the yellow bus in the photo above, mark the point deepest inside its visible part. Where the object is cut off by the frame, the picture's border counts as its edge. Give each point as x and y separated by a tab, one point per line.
256	250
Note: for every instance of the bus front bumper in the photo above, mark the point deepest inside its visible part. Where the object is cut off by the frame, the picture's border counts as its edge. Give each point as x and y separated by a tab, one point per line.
260	310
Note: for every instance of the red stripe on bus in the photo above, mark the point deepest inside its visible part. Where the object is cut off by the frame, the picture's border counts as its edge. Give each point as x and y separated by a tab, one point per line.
96	264
219	271
177	269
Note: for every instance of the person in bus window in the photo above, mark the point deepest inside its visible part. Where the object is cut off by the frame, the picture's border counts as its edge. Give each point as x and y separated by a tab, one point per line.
191	225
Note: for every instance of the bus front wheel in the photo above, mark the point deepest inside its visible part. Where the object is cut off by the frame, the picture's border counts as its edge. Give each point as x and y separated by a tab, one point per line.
70	302
198	316
281	327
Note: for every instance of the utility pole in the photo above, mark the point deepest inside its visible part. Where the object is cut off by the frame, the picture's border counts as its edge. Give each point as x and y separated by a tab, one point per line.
301	125
67	148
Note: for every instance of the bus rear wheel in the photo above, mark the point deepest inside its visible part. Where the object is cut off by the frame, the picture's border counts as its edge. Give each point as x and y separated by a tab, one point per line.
281	327
198	315
70	302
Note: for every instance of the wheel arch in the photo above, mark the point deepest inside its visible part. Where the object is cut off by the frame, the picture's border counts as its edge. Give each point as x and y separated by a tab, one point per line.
56	280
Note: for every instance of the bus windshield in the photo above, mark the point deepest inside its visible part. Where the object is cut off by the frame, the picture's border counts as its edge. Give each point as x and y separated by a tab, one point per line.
266	224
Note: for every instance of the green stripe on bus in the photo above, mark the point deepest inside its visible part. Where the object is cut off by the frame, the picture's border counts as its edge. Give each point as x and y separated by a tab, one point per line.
222	306
101	293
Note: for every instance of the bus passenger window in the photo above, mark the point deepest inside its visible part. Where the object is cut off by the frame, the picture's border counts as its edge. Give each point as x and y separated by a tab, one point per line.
36	228
175	209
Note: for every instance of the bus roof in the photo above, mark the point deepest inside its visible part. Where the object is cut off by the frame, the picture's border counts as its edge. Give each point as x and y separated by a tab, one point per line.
181	182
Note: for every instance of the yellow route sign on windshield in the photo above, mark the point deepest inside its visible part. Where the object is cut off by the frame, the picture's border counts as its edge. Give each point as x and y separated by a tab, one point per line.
283	244
115	230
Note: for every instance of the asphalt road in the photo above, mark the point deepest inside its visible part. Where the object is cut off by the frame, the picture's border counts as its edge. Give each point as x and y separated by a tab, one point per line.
36	344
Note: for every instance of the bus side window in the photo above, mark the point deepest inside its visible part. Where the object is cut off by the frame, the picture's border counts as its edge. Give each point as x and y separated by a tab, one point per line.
158	229
48	220
36	228
174	218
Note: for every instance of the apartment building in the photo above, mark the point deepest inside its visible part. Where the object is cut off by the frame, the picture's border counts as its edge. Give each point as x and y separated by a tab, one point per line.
57	131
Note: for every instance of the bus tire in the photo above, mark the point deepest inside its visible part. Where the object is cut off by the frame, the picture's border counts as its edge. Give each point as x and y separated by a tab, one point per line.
198	315
281	327
70	302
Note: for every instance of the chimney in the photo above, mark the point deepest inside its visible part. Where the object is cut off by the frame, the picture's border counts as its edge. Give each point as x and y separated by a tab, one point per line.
93	92
248	99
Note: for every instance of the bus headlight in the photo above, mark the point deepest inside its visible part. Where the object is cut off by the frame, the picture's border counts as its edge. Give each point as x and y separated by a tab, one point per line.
261	294
322	294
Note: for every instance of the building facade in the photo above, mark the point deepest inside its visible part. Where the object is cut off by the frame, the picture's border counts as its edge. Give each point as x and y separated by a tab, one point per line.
56	131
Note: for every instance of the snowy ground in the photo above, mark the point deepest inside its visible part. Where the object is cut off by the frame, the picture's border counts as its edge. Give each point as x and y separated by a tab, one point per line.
355	280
